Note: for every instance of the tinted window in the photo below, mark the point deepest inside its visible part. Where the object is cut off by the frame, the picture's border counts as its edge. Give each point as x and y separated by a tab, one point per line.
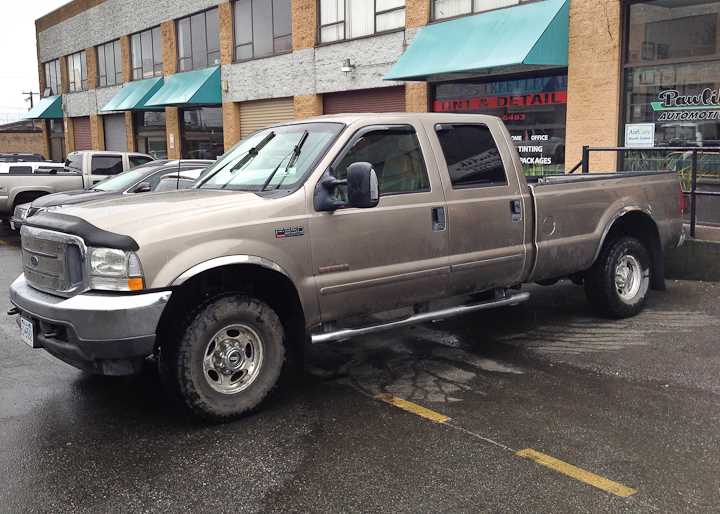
77	72
472	156
138	160
396	156
109	64
262	28
198	41
146	54
106	165
20	170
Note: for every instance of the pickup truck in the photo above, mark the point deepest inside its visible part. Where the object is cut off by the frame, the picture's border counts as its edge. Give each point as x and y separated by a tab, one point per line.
82	169
321	230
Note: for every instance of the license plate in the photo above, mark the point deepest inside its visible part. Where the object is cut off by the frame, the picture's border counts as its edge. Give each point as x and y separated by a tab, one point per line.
12	225
27	332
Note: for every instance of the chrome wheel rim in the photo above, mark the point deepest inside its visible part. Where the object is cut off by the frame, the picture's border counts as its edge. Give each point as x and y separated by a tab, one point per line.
232	359
628	277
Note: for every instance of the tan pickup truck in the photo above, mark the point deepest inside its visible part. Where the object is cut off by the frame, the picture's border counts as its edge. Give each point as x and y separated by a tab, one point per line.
317	229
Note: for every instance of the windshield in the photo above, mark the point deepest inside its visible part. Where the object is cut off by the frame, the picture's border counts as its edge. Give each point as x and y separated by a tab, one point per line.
249	165
122	181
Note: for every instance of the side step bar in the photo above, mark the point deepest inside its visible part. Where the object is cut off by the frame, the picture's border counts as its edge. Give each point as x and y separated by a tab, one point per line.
347	333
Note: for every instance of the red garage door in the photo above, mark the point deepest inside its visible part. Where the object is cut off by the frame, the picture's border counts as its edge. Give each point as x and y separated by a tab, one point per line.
81	126
382	99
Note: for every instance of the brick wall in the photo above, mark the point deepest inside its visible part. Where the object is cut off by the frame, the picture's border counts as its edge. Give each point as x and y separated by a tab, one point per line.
594	79
416	97
172	126
231	124
225	14
125	55
33	142
304	23
417	13
169	47
306	106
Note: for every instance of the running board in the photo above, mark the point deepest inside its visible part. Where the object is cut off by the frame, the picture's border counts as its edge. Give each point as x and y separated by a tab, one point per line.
347	333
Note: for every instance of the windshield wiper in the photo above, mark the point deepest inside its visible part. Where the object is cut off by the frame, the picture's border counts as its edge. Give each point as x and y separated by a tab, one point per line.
252	153
295	154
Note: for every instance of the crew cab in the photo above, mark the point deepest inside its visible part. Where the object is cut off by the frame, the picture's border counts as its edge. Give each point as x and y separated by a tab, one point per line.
310	230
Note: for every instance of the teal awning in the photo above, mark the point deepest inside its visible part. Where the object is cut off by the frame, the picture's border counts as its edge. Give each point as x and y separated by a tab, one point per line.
133	95
532	34
199	87
48	108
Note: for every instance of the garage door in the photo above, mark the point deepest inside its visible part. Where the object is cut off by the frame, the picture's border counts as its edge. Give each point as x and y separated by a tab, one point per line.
81	128
115	134
383	99
263	113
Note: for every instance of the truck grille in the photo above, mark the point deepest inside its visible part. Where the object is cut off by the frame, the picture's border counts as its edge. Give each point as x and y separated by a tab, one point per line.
52	261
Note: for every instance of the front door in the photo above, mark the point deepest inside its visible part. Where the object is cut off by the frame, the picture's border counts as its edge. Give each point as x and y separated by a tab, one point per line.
486	211
391	255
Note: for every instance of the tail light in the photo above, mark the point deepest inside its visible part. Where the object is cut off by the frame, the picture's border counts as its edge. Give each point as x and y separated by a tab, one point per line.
682	203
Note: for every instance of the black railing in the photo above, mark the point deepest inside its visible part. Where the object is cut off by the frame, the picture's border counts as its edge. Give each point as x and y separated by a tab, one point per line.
675	164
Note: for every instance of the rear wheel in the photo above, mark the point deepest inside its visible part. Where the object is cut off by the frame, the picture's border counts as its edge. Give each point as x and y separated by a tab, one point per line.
618	283
228	358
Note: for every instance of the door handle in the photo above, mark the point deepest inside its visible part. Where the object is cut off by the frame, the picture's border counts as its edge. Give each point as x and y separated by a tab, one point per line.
516	210
438	219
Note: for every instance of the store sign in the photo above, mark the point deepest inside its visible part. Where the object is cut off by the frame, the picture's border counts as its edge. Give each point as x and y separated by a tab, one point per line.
500	102
640	135
674	106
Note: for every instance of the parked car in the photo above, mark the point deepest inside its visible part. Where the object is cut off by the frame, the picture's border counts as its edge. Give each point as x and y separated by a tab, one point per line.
317	229
99	165
20	157
82	170
153	176
26	168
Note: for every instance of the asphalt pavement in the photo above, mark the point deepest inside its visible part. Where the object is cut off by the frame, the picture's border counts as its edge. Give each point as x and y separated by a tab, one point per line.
538	408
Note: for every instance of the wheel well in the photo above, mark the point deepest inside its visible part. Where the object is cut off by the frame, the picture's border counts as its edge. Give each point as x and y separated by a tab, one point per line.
270	286
26	197
641	226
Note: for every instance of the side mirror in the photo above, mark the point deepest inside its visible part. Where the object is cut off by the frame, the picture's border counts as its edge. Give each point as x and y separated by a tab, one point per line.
362	185
143	187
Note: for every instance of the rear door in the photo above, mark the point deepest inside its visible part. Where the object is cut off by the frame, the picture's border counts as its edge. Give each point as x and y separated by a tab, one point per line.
486	211
392	255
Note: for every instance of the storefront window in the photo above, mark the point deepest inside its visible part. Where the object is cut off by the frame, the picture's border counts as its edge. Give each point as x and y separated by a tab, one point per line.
150	133
533	108
202	133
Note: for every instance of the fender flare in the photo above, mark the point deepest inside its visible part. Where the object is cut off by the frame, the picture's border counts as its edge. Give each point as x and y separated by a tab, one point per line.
611	222
227	261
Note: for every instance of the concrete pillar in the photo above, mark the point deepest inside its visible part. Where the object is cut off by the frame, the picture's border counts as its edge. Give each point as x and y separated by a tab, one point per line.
92	67
174	140
130	132
169	46
225	14
231	124
594	82
97	132
69	135
306	106
304	23
417	13
416	97
44	125
125	55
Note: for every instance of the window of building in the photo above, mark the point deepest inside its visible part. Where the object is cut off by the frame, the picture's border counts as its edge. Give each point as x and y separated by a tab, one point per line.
150	134
77	72
109	64
472	157
198	40
534	109
348	19
106	164
202	133
52	78
396	157
451	8
262	28
146	50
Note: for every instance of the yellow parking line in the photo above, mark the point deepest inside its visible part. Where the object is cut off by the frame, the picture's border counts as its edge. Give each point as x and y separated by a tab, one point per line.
577	473
540	458
416	409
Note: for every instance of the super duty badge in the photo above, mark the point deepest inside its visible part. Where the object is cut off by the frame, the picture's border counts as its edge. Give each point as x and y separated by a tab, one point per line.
282	233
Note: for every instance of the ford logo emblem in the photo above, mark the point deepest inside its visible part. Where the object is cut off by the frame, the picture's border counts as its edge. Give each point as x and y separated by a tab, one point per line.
34	261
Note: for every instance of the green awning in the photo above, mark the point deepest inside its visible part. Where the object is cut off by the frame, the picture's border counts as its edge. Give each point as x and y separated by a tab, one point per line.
133	95
48	108
532	34
199	87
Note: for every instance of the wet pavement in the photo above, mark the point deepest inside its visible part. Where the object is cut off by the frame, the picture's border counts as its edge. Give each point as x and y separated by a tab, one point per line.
634	401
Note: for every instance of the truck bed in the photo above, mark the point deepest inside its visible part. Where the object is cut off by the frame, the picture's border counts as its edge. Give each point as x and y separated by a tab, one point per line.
37	184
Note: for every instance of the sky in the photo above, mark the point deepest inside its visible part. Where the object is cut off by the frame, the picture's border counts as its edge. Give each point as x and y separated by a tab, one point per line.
18	56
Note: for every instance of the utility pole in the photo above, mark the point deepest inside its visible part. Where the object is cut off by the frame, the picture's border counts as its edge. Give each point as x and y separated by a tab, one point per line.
29	98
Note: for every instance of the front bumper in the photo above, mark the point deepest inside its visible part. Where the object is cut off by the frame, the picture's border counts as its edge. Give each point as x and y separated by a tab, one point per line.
16	223
100	332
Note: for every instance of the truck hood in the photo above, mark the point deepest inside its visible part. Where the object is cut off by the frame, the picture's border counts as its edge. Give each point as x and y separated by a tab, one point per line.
71	198
143	216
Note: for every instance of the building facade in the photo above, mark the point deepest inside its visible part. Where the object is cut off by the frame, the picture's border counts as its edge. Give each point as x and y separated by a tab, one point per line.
190	78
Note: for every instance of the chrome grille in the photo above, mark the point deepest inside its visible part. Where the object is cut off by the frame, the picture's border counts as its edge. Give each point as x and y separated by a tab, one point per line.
52	261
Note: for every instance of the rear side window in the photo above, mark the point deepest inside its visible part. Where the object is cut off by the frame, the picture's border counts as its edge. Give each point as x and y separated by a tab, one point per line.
106	164
20	170
396	157
138	160
472	157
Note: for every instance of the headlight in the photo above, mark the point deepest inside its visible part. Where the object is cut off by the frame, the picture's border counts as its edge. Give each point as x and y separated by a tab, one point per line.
50	209
115	270
20	212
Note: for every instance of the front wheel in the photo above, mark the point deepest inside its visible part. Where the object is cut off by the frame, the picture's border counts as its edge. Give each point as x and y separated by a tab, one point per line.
228	358
618	282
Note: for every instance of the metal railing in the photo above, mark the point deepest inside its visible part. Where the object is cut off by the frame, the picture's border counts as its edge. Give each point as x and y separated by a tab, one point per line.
693	151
